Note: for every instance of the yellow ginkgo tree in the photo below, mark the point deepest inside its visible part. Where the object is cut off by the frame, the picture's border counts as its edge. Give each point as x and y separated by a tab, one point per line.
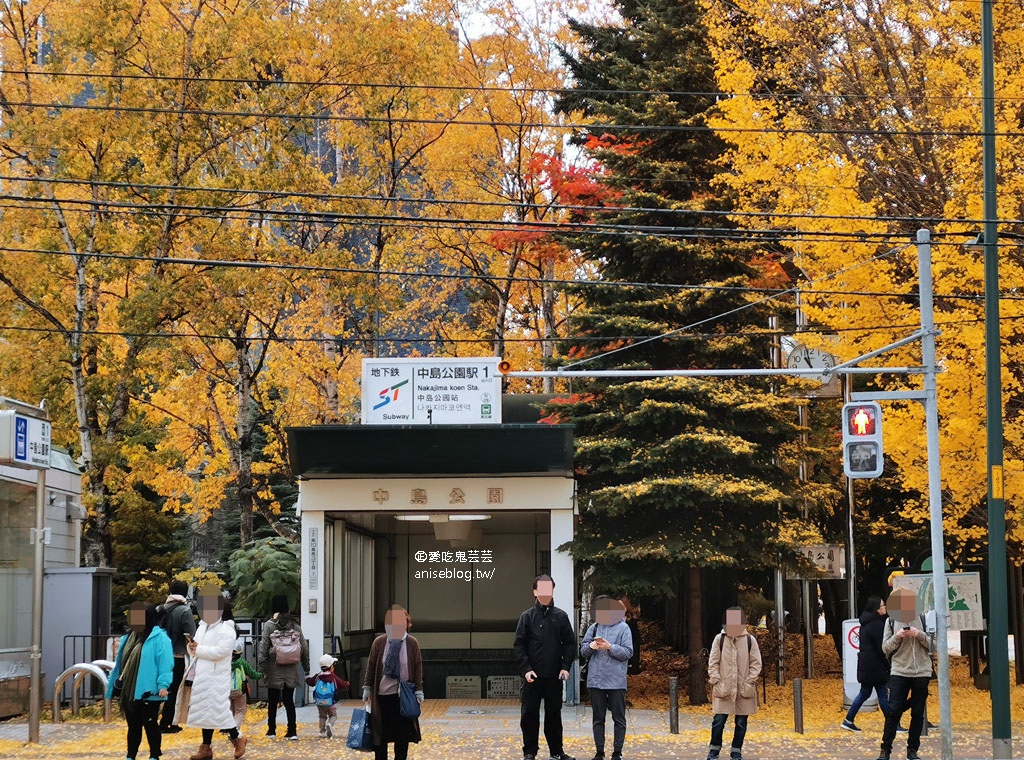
852	125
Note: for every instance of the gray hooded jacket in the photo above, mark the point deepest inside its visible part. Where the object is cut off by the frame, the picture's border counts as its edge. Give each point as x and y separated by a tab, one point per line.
909	657
607	667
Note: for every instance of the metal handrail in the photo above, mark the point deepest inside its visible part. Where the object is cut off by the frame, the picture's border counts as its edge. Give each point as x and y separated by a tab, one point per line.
99	669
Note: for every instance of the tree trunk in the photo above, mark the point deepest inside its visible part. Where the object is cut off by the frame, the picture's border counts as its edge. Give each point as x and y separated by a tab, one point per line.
547	345
244	424
698	663
835	611
674	633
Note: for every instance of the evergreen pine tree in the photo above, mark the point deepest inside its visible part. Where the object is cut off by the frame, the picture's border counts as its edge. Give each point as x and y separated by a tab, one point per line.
677	474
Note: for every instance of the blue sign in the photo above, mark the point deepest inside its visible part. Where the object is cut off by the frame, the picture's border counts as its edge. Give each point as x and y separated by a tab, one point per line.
20	439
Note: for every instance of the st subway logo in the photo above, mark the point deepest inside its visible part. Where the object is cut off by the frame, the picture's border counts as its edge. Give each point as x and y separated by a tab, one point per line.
390	394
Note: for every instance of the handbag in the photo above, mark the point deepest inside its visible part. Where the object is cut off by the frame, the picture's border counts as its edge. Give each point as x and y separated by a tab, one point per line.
360	732
408	705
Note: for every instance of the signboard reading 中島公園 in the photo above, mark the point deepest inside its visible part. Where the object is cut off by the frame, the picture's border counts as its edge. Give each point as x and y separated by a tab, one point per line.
431	391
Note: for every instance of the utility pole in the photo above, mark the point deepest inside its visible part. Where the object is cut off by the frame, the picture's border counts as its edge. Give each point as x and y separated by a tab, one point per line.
998	658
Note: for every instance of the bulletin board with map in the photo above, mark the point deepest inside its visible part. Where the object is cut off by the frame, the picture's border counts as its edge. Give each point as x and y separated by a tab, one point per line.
964	597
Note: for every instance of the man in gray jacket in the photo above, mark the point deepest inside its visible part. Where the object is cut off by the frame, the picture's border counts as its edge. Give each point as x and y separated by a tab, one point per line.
909	652
607	646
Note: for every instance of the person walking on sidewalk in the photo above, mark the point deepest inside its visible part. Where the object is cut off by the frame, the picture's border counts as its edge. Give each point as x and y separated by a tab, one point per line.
545	646
872	664
911	668
241	672
141	675
328	689
209	670
608	647
180	625
733	667
283	650
394	657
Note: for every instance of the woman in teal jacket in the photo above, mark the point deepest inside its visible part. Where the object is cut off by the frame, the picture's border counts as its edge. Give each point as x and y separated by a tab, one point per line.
142	674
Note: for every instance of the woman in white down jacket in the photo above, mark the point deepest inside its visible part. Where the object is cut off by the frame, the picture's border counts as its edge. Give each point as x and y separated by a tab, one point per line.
210	708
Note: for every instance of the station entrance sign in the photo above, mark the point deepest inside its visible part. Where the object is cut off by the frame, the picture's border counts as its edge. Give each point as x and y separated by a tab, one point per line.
431	391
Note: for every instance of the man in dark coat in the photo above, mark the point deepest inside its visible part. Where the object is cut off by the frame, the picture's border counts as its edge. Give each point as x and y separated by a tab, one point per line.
177	619
545	646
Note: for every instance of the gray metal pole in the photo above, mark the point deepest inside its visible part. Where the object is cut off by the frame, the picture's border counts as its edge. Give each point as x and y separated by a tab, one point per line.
924	261
851	557
673	704
810	619
798	705
36	651
780	606
780	627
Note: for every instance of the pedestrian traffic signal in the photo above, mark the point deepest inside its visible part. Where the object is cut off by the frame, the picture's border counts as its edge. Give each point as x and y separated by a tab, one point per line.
862	440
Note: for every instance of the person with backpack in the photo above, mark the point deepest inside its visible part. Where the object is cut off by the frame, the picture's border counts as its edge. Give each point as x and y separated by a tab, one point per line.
327	691
910	662
733	667
176	618
872	664
241	672
283	649
607	647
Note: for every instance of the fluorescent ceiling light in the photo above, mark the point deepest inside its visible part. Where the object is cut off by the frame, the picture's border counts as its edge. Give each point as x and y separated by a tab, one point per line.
458	518
412	518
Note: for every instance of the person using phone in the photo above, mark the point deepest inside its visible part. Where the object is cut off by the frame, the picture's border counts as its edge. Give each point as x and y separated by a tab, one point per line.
545	646
175	617
608	647
909	653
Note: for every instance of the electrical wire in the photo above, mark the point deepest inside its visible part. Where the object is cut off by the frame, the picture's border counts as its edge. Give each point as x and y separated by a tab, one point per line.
472	88
741	307
297	339
492	123
412	274
427	200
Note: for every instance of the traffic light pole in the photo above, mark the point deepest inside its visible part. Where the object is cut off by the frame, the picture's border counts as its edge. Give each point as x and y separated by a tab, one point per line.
931	411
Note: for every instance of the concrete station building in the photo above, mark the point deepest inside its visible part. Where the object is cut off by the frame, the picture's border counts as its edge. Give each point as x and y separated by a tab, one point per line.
453	522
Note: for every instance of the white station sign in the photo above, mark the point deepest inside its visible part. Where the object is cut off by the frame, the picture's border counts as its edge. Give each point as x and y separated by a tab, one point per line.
24	440
430	391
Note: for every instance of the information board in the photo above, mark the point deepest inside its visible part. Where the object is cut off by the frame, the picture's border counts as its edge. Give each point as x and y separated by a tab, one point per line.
964	597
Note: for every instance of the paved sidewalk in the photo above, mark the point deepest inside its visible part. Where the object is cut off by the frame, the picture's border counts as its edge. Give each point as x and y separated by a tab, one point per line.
489	730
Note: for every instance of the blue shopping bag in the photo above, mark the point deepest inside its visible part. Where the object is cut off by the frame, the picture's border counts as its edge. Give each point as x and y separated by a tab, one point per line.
360	732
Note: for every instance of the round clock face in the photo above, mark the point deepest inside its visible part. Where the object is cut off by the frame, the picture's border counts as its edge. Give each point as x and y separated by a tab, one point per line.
802	357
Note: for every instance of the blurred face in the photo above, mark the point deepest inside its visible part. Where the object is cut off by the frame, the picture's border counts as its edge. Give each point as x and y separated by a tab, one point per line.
902	606
395	623
137	617
734	625
209	607
609	612
544	592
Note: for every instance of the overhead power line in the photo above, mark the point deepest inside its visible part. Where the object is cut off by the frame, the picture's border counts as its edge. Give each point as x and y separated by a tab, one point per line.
510	203
414	274
569	89
491	123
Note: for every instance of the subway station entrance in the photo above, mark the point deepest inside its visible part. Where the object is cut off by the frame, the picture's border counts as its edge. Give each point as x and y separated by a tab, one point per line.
451	522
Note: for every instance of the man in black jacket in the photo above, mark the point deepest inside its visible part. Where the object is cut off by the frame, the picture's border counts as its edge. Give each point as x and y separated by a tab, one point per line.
546	647
176	618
